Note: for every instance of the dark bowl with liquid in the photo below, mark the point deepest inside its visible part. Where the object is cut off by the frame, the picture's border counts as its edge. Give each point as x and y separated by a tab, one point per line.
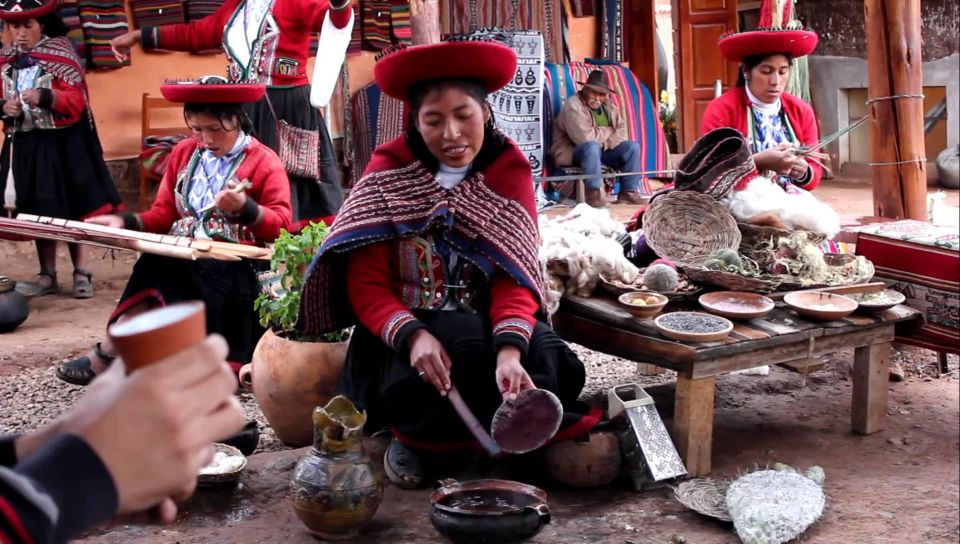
488	511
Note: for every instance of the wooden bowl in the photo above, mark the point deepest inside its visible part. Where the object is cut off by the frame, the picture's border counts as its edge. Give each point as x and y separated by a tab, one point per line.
820	305
737	304
227	477
655	303
670	330
879	301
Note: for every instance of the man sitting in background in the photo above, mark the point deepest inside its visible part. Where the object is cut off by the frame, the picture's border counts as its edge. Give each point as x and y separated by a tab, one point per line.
590	133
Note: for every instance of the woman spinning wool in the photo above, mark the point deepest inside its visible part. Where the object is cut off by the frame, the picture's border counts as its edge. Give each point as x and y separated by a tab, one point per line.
434	255
267	42
775	123
52	163
199	197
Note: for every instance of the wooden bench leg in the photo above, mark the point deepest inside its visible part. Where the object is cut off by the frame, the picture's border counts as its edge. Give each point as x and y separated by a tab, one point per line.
871	377
693	422
581	191
646	369
942	366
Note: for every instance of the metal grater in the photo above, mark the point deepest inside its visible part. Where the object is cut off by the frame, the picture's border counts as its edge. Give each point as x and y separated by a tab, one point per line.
649	456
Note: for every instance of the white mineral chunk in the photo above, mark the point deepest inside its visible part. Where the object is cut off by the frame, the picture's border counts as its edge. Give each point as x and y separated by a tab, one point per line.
772	506
223	463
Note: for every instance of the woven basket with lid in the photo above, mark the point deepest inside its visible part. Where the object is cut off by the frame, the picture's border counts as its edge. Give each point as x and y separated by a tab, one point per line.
688	227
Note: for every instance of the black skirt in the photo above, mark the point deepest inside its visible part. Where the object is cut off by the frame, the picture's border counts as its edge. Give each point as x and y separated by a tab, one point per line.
59	172
309	198
228	288
382	382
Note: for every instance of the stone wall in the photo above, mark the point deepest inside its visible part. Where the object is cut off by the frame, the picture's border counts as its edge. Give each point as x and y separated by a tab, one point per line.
842	30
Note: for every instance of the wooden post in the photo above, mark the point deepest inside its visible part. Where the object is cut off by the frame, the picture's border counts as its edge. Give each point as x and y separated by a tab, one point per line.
897	136
693	422
424	21
871	379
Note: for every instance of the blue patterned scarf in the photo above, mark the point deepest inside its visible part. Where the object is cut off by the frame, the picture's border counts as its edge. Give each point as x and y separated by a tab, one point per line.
212	173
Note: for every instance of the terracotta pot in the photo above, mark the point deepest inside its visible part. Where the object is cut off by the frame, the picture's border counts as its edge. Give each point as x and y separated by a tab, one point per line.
335	488
13	306
289	379
155	335
588	462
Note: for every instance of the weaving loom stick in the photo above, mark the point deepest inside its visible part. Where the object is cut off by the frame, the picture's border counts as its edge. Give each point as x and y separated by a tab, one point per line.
179	247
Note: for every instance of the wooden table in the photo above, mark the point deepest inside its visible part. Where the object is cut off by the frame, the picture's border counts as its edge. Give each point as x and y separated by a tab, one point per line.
781	337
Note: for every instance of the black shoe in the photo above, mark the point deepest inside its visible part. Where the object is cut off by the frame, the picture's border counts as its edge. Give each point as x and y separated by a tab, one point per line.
80	370
402	465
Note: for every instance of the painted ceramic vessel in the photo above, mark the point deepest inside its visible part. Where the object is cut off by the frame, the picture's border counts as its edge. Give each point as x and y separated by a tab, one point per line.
335	488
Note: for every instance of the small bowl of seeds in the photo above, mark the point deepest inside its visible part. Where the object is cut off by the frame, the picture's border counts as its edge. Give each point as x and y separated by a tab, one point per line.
643	304
693	326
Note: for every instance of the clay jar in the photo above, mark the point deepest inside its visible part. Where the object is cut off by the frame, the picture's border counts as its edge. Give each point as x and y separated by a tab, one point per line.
587	462
155	335
13	306
289	379
335	488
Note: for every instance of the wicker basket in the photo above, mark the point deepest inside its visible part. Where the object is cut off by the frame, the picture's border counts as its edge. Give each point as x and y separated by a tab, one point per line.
688	227
617	288
213	480
731	281
754	236
790	283
704	496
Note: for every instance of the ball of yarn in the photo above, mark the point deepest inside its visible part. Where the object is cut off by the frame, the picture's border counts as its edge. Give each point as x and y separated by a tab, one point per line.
666	262
661	278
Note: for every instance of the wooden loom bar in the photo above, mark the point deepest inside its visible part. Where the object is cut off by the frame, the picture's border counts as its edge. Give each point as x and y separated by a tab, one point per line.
895	87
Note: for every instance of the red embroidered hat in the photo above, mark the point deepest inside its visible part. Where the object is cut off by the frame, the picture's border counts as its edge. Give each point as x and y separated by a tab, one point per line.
400	69
211	90
21	10
775	33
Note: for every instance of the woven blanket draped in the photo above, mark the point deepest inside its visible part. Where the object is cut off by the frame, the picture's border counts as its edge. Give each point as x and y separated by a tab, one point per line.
517	108
103	20
630	96
156	12
487	219
55	56
546	16
375	120
70	14
613	30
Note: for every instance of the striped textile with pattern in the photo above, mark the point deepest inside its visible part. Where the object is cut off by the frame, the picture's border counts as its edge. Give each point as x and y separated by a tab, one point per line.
630	96
102	20
157	12
375	119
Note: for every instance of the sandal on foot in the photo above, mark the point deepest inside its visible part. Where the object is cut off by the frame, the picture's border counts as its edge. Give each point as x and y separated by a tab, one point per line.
36	288
82	283
80	370
403	466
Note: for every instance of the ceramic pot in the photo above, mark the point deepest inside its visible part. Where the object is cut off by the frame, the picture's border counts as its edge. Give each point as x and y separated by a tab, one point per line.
13	306
336	488
488	511
587	462
289	379
155	335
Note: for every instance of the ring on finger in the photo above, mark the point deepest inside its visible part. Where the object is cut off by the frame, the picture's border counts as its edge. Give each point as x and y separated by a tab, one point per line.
421	373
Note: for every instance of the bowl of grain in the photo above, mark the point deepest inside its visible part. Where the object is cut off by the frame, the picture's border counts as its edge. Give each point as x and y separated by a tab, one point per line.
879	301
693	326
643	304
820	305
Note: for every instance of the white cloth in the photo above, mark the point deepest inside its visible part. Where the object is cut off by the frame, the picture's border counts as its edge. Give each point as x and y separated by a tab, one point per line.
449	177
244	30
331	52
797	208
762	106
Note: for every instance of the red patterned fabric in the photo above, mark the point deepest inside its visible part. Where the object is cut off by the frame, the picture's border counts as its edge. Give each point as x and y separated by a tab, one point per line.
21	10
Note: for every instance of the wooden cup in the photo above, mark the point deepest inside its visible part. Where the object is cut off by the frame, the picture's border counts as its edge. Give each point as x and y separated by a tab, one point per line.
158	334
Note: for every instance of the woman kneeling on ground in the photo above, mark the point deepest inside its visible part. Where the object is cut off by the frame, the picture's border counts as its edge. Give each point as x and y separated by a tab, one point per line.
196	199
434	256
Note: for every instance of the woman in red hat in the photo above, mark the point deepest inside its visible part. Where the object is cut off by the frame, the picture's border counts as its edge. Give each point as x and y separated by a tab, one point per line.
268	42
434	258
51	163
774	121
196	199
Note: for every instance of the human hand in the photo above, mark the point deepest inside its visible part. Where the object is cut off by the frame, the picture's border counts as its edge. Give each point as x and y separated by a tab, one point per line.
12	107
153	430
799	168
124	41
511	376
229	200
779	159
114	221
428	356
31	97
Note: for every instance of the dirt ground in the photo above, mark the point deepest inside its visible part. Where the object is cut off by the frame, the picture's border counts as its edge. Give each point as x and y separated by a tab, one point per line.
898	485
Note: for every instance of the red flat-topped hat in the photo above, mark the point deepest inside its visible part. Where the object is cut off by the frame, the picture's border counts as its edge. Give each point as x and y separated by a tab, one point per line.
211	90
21	10
400	69
776	32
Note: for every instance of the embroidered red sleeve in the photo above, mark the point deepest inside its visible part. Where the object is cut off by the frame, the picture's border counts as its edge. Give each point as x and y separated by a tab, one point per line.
204	34
274	199
512	309
68	100
163	212
370	274
339	13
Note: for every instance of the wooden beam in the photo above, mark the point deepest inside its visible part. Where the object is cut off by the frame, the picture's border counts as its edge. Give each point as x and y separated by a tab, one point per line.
897	136
693	422
871	378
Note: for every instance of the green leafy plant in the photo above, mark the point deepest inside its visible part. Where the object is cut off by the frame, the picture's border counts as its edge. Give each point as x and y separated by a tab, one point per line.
279	306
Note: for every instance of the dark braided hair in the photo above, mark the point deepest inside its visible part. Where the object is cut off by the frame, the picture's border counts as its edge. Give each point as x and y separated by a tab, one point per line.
225	113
